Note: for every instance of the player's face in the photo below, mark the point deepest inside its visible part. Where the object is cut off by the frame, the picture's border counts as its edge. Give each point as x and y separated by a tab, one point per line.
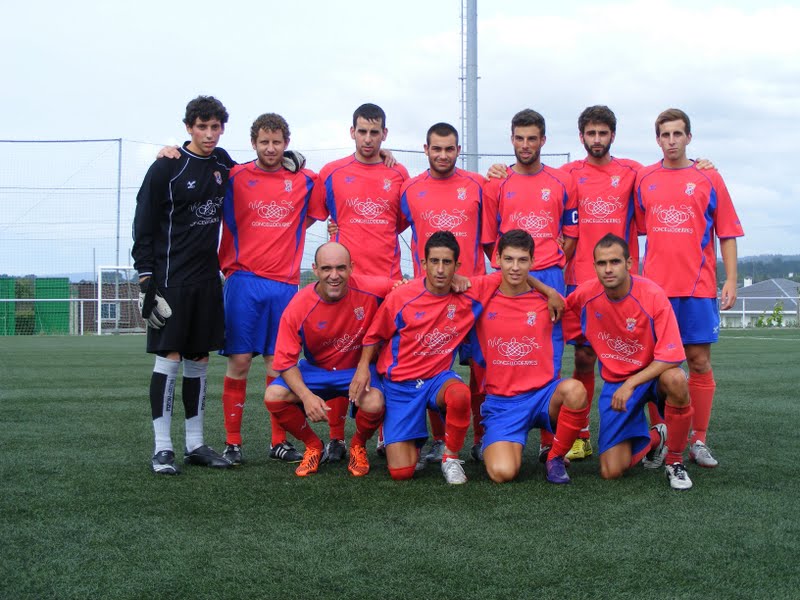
597	139
612	268
333	269
440	266
514	265
270	146
528	142
204	136
368	136
673	139
442	152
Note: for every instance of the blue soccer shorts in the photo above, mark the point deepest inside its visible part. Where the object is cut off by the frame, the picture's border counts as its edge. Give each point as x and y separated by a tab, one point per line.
698	319
617	427
253	309
406	405
330	384
510	418
552	276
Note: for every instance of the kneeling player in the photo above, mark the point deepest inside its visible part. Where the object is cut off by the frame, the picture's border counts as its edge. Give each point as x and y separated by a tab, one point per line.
327	321
629	322
521	349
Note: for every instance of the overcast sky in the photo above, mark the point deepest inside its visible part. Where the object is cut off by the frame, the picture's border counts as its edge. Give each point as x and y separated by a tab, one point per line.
109	70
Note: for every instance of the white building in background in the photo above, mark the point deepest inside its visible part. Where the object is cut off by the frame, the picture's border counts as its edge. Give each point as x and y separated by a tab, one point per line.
759	300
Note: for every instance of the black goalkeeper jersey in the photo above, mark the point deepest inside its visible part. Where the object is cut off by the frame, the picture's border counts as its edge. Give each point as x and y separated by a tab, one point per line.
178	216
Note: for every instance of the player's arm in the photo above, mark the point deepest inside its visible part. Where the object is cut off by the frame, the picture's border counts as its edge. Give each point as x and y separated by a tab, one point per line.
360	382
388	158
569	246
498	171
702	164
624	392
315	407
555	303
728	249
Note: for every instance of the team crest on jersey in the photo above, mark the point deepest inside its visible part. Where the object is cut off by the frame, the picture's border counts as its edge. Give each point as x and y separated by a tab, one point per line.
462	193
190	185
615	181
673	217
444	220
451	311
287	185
690	189
545	194
218	177
630	323
273	211
359	312
387	185
531	318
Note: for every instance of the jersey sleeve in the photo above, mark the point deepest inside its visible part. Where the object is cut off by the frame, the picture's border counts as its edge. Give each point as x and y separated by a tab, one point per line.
148	212
377	286
726	221
668	347
484	286
569	224
490	209
383	325
288	344
317	209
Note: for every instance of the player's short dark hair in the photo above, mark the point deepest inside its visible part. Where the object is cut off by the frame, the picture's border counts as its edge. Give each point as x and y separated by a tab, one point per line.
443	239
515	238
269	122
370	112
609	240
527	118
205	108
598	113
442	130
673	114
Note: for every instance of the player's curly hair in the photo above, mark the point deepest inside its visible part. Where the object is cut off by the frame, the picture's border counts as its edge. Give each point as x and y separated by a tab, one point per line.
443	239
205	108
515	238
673	114
528	118
598	113
269	122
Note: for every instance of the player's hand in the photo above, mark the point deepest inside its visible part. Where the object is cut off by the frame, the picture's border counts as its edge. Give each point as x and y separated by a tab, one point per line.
498	171
316	408
293	161
728	296
555	306
154	308
169	152
333	229
359	384
560	240
620	398
460	284
703	163
388	158
397	284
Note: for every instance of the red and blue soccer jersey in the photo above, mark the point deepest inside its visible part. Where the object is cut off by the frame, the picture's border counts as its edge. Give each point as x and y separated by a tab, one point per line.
329	334
545	205
605	205
628	334
451	204
516	343
423	330
681	211
364	201
264	221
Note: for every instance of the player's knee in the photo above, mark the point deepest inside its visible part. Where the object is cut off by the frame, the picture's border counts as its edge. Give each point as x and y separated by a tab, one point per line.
372	402
275	393
574	394
502	472
401	473
676	386
611	471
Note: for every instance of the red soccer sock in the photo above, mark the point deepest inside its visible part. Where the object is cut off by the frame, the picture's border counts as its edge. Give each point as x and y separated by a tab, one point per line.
337	416
366	424
437	424
701	390
457	401
679	421
477	375
278	432
587	379
570	423
655	417
402	473
655	440
292	418
546	438
234	392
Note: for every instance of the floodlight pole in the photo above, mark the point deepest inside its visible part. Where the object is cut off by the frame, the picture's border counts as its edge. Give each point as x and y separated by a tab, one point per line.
469	84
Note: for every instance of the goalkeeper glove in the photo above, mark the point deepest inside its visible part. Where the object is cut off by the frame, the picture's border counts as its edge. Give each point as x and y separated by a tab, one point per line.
293	161
154	308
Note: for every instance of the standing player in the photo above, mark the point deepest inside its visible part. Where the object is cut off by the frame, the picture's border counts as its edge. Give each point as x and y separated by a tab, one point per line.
522	355
445	198
682	211
362	195
327	321
423	323
266	212
629	322
175	233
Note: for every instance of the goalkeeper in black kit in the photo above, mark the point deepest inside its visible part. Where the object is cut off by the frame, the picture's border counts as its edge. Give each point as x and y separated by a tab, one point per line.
175	234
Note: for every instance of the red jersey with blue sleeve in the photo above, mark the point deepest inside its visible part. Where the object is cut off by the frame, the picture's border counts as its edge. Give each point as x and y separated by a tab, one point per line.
682	212
628	334
364	201
264	221
329	334
516	344
545	205
605	205
423	330
450	204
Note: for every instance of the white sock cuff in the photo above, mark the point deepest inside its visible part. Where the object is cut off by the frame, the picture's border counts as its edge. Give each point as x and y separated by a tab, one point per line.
195	368
166	367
